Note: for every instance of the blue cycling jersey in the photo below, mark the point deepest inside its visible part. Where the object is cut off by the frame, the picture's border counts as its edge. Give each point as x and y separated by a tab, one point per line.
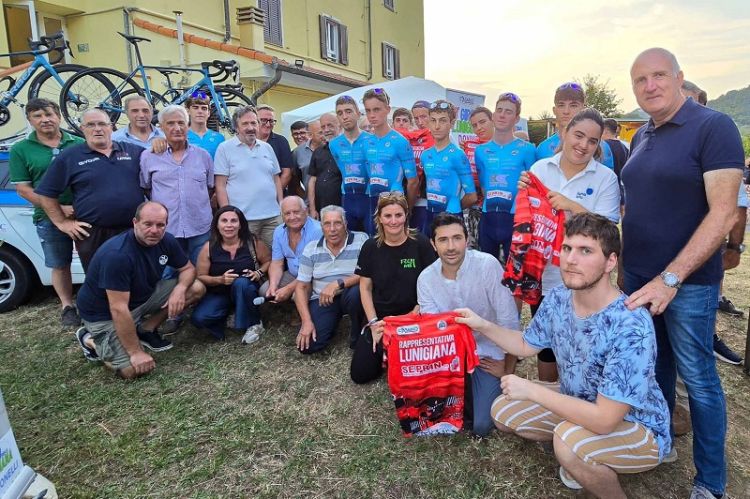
350	158
210	140
389	159
499	168
548	148
447	172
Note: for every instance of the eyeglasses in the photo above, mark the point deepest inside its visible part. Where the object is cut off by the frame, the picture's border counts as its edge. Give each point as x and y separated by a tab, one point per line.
267	121
198	94
509	96
98	124
440	105
572	85
298	133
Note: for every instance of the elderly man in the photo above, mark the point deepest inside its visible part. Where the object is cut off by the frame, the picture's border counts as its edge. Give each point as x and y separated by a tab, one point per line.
681	184
103	177
29	160
324	186
123	286
302	155
139	131
469	278
182	179
248	176
327	287
199	110
289	239
267	120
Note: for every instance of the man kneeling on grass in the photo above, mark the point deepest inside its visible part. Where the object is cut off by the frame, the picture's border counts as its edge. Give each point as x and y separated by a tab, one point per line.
607	415
123	285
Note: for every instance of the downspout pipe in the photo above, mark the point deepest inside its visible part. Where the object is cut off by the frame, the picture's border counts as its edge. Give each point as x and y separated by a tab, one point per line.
180	37
227	23
269	84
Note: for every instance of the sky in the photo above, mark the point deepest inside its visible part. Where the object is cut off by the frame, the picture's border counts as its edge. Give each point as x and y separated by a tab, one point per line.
531	47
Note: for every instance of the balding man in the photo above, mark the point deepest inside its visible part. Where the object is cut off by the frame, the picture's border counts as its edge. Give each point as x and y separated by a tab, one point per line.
103	176
301	156
681	184
324	186
140	131
124	299
289	239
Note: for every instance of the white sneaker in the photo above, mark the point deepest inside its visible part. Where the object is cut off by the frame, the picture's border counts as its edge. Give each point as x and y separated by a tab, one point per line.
671	457
252	334
568	480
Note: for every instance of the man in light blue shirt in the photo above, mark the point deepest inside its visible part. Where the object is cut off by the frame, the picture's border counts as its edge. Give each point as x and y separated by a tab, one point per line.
289	239
139	131
199	109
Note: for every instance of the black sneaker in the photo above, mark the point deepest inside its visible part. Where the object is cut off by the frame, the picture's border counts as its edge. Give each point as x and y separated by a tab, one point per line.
82	335
726	306
70	317
170	326
153	341
724	353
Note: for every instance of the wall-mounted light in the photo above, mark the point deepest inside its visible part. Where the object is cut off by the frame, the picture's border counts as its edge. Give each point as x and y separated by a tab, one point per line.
298	63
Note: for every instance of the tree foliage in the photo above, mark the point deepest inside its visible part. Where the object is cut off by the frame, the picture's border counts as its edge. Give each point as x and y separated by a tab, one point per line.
601	97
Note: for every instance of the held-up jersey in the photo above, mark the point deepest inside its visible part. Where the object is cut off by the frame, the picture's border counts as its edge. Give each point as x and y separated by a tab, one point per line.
389	159
428	357
420	140
350	158
447	172
499	168
469	146
548	148
538	231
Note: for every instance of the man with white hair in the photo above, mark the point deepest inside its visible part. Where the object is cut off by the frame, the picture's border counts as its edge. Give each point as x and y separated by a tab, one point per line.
324	184
671	259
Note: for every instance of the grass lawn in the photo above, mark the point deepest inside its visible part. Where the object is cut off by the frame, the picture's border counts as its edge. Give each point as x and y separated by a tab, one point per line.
228	420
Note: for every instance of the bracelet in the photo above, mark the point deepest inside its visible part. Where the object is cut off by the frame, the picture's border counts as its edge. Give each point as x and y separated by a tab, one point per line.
372	321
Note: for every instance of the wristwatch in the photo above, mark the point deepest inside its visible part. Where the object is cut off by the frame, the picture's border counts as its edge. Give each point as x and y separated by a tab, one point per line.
670	279
341	283
739	247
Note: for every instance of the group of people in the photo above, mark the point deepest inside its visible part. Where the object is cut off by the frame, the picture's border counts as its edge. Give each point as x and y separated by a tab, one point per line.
384	222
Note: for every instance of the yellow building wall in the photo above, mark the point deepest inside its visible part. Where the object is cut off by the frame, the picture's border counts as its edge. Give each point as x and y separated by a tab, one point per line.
403	29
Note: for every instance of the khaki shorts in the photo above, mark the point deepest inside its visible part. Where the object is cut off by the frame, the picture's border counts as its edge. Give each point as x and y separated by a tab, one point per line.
108	345
630	448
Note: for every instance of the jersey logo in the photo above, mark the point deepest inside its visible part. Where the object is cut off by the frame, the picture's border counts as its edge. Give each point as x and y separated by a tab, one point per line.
587	192
442	325
387	144
410	329
163	260
514	152
445	159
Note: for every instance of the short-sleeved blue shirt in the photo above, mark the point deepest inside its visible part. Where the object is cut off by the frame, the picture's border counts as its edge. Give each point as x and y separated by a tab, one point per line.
390	158
124	264
498	169
612	352
210	140
447	173
548	148
311	231
350	158
665	195
106	190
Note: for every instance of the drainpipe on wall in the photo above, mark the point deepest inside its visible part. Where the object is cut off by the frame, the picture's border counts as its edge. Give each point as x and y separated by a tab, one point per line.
269	84
180	37
227	21
369	40
126	30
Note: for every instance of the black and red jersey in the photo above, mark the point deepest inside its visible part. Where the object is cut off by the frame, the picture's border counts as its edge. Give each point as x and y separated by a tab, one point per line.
428	357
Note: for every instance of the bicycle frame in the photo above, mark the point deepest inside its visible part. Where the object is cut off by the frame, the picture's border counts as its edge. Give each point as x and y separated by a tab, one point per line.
39	61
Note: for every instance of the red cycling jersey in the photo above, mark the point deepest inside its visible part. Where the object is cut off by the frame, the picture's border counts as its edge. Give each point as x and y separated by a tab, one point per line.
428	357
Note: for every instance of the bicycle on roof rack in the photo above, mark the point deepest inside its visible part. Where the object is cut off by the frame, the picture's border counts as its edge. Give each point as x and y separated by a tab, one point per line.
48	83
86	90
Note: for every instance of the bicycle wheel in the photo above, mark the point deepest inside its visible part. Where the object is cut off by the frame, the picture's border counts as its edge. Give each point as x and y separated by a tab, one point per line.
45	86
95	88
233	99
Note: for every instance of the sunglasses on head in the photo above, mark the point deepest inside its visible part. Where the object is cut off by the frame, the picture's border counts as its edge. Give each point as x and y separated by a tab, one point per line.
510	96
421	103
199	94
572	85
440	105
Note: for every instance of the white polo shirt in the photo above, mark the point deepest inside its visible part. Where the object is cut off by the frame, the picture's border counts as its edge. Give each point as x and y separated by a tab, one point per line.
595	188
251	173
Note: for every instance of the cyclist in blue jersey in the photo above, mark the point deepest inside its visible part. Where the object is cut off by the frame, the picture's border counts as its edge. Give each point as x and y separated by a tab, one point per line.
348	150
450	186
569	99
389	156
499	164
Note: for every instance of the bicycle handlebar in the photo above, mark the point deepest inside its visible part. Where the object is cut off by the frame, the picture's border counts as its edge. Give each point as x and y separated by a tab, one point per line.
50	45
224	69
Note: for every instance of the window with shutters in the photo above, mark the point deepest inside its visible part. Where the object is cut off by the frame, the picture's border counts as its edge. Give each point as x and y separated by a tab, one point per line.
389	4
391	62
334	41
272	28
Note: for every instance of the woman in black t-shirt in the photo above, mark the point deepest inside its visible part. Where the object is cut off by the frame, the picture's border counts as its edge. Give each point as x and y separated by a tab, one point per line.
388	266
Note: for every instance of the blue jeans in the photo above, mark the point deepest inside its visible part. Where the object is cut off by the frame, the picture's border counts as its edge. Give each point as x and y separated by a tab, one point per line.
326	319
57	246
485	388
357	216
190	245
684	340
418	215
212	311
496	231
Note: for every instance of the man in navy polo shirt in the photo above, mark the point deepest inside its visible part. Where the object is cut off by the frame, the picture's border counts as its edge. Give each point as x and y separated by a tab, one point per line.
104	178
681	184
123	285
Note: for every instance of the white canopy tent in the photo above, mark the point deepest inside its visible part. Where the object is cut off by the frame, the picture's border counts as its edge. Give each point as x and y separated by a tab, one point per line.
403	93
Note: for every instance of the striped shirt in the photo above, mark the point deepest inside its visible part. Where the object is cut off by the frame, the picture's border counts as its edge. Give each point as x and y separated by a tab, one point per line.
318	265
